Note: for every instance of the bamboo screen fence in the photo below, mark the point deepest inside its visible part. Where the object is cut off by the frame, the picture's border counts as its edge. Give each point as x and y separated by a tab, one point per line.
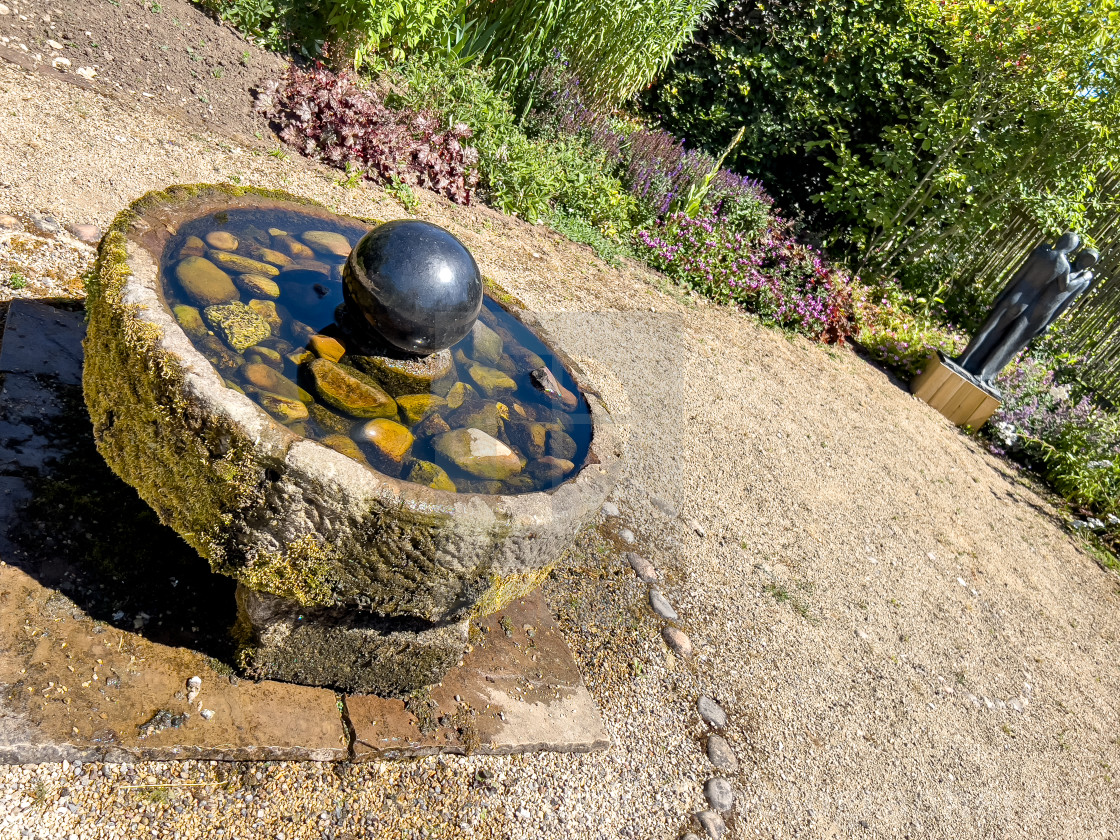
1093	331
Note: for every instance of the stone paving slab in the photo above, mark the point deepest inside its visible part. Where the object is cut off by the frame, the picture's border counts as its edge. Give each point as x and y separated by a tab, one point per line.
89	673
518	690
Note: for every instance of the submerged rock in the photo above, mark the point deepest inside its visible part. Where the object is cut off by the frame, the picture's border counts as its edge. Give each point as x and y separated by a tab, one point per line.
292	247
269	379
490	381
270	256
267	310
475	452
432	425
242	265
219	355
204	283
193	247
326	242
485	416
561	445
345	444
330	421
431	475
259	354
550	469
389	438
529	437
190	319
221	240
326	347
238	325
349	391
258	285
415	407
487	344
460	393
282	408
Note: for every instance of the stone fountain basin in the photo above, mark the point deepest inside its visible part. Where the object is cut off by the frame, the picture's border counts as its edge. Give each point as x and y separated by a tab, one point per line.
337	563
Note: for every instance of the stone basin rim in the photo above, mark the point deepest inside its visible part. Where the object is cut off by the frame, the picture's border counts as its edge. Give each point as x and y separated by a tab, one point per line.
146	237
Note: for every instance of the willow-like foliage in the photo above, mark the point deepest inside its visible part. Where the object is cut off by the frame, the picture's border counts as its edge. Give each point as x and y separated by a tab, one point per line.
615	48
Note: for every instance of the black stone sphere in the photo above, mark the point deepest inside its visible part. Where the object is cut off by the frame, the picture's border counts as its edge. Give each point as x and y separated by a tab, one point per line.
416	284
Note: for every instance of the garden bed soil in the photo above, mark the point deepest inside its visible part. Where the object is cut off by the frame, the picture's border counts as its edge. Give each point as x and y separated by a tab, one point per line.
169	53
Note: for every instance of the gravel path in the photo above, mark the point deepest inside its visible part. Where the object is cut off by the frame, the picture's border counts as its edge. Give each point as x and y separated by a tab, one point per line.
905	640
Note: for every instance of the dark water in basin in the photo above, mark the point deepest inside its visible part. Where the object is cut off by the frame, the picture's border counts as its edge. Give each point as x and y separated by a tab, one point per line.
527	438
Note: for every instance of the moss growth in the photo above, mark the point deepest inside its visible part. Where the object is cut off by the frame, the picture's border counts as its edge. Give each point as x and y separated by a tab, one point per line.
301	573
505	589
144	428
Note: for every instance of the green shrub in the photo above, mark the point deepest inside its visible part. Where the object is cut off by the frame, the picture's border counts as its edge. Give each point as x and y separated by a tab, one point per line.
794	72
615	48
891	326
528	177
277	24
577	229
378	31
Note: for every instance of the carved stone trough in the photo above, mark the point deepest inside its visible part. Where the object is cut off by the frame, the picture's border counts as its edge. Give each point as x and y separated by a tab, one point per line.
349	576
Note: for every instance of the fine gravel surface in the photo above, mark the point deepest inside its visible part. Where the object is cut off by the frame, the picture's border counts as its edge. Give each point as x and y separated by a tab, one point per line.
906	641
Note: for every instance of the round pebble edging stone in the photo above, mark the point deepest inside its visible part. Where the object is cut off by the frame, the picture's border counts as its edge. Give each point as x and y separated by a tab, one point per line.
712	823
719	794
661	606
644	569
712	713
678	641
721	755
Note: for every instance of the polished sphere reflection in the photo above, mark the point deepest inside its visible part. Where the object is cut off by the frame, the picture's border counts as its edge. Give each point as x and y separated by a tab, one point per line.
416	284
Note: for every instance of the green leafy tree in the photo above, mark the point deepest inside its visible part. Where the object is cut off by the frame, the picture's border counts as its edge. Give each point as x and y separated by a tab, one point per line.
1022	120
793	73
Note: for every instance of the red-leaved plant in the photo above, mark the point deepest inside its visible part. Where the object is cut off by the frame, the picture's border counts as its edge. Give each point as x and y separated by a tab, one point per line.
330	118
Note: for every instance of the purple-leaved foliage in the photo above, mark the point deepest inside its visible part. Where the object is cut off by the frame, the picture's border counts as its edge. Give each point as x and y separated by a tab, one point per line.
330	118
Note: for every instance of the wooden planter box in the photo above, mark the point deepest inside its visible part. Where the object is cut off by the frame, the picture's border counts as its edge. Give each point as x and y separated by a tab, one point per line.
943	386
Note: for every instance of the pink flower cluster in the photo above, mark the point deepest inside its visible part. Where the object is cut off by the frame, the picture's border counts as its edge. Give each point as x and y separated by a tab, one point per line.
773	275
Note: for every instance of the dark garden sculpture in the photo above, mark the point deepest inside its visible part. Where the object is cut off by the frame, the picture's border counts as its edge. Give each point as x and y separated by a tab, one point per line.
1040	291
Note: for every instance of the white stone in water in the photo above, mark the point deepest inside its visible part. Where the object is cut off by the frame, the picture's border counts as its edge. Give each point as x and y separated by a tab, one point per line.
627	536
484	446
207	714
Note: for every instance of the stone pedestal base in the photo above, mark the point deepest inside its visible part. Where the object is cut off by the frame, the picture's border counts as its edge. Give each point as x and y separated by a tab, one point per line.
339	648
951	390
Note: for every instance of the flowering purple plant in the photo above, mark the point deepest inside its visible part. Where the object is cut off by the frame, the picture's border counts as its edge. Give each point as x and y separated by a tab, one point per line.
786	283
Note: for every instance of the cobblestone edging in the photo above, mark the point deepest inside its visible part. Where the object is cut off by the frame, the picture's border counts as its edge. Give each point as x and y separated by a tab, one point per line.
717	790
